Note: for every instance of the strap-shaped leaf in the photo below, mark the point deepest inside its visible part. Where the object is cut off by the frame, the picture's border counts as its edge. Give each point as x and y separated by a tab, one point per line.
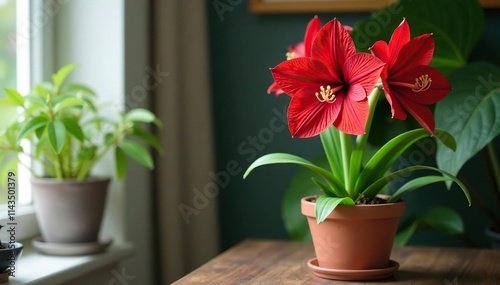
330	138
276	158
56	132
120	163
325	205
383	159
33	124
415	184
137	152
375	188
325	188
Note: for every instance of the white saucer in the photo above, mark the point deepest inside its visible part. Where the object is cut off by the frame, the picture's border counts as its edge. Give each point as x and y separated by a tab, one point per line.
353	275
68	249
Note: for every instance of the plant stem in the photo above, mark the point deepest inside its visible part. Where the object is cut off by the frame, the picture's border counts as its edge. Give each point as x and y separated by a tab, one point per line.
495	168
361	141
346	146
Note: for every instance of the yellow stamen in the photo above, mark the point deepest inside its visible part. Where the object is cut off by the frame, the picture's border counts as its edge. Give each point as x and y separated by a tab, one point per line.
290	55
325	95
422	83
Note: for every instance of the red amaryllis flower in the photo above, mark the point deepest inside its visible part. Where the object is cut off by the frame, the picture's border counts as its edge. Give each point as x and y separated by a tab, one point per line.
409	83
300	49
331	86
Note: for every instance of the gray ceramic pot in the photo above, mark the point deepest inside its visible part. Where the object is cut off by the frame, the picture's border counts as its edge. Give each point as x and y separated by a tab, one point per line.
10	255
70	211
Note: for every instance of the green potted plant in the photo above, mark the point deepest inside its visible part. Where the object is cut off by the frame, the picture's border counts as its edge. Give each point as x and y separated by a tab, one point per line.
67	135
334	92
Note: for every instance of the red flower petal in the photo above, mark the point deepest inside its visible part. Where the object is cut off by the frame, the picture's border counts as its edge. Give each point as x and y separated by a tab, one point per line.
312	29
399	38
363	69
298	50
397	110
418	51
274	88
303	74
381	50
354	114
333	46
422	113
308	117
428	85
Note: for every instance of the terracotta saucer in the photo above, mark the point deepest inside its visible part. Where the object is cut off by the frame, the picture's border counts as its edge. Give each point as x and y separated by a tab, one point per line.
352	275
69	249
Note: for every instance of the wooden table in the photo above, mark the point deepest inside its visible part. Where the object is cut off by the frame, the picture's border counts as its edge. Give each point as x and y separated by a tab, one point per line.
265	262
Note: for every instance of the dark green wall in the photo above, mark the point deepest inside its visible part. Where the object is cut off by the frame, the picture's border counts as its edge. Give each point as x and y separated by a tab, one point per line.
250	123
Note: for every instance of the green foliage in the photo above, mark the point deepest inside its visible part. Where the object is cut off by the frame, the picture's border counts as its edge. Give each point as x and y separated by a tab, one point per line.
456	26
68	135
438	218
470	113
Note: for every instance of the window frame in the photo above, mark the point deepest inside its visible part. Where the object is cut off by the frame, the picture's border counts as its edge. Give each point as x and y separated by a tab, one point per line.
34	35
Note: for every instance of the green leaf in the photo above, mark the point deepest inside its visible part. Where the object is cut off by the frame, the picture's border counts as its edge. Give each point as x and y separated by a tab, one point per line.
137	152
375	188
15	96
415	184
276	158
120	163
56	132
8	114
147	137
301	186
68	102
36	100
59	77
325	205
73	128
383	159
78	88
140	115
330	138
470	113
456	26
33	124
438	218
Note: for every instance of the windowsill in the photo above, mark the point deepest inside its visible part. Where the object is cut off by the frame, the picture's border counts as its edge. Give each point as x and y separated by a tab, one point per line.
34	268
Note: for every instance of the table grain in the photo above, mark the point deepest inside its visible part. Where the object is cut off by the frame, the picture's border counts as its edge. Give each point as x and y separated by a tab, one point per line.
267	262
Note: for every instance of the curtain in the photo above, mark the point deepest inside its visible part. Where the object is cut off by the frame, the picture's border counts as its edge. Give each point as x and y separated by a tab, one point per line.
186	202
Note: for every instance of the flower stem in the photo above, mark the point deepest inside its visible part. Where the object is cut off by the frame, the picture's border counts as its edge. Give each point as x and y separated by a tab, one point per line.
360	145
346	146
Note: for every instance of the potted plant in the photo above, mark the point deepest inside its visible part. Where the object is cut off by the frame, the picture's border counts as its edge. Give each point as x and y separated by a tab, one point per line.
334	91
9	254
67	135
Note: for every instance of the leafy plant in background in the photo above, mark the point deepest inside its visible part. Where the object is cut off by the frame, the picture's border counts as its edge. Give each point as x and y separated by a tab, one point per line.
330	96
67	133
469	112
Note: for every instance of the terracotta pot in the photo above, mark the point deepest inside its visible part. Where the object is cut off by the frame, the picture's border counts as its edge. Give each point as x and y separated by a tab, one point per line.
70	211
494	237
354	237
